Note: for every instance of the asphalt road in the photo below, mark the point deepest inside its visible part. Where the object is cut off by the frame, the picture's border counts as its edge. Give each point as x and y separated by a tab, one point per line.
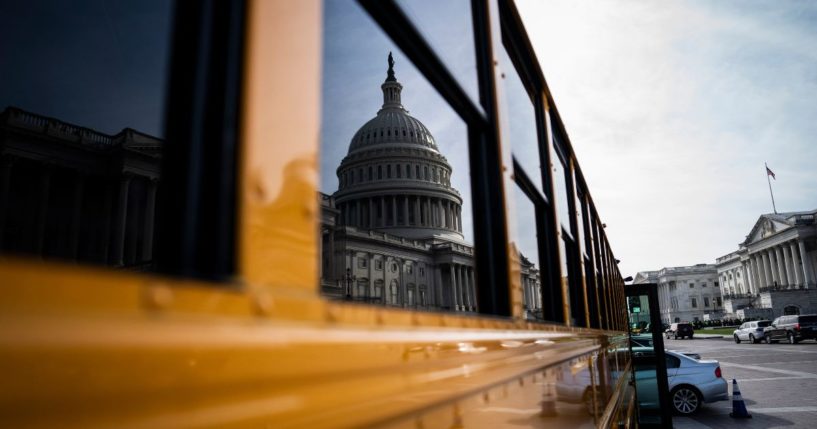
778	383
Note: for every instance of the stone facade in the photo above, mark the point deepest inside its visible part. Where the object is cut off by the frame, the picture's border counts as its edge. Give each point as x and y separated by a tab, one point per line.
774	268
686	294
72	193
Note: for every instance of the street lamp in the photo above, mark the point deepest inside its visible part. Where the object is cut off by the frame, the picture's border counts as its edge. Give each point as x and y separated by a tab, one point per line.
350	278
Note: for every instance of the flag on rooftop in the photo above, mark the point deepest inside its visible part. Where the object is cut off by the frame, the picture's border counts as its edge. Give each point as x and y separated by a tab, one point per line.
770	173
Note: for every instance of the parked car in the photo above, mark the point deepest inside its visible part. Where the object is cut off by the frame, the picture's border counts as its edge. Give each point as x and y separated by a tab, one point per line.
682	330
751	331
645	340
792	329
691	382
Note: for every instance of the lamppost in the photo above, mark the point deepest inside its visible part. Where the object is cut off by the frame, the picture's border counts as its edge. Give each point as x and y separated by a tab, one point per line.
350	278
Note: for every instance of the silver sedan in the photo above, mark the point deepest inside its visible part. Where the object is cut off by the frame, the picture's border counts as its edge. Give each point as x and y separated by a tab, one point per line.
691	382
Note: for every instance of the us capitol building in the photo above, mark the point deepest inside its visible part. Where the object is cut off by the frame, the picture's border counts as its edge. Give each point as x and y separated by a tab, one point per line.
392	232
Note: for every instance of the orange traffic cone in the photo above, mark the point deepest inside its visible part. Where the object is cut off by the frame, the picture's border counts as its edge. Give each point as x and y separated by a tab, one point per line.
739	410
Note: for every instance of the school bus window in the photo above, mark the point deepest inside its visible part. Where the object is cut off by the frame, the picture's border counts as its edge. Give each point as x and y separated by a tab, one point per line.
578	231
81	130
559	173
525	246
521	122
369	87
447	26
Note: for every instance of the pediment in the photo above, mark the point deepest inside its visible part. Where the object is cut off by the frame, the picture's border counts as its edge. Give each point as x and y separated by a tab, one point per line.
765	227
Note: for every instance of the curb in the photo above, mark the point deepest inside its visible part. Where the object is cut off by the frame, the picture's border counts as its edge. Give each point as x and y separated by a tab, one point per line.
708	337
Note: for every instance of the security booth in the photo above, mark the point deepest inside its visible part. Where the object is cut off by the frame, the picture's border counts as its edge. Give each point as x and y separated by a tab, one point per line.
649	361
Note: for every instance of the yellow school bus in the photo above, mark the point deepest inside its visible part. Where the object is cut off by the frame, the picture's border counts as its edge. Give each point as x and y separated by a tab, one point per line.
193	234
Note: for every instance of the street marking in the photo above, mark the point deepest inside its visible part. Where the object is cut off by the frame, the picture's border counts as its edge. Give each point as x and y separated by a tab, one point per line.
800	374
775	410
744	380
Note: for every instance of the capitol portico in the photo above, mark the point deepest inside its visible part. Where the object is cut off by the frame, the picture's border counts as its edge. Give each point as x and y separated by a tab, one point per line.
774	268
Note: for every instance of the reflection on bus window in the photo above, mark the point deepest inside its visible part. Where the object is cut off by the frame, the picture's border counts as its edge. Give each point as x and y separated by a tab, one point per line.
81	109
447	27
526	249
395	211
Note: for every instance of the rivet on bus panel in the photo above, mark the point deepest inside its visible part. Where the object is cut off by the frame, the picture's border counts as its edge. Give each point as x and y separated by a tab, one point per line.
158	296
263	303
332	313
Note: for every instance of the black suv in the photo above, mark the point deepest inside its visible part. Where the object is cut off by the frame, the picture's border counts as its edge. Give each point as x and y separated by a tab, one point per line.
679	330
792	329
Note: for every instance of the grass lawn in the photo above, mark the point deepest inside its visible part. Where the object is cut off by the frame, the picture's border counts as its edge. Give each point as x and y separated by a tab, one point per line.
716	331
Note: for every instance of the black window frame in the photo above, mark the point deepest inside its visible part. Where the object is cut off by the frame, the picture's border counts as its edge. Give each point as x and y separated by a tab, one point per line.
196	212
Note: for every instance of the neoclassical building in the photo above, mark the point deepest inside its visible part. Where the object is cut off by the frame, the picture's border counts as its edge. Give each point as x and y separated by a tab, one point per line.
392	232
92	195
686	294
773	271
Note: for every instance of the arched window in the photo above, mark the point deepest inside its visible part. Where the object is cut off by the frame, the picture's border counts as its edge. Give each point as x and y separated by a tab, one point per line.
370	173
379	171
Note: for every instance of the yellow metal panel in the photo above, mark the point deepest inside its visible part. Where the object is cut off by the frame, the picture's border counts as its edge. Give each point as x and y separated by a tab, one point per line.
281	130
182	371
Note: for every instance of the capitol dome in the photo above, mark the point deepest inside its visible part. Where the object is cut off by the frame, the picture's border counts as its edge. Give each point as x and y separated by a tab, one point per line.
394	178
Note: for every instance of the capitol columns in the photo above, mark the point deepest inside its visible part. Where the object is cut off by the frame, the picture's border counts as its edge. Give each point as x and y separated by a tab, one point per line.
372	213
781	266
798	274
76	215
150	211
42	214
767	268
787	264
806	264
6	166
755	272
454	301
394	210
438	285
121	219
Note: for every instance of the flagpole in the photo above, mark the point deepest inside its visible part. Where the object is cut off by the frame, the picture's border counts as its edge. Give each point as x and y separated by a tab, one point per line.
770	187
